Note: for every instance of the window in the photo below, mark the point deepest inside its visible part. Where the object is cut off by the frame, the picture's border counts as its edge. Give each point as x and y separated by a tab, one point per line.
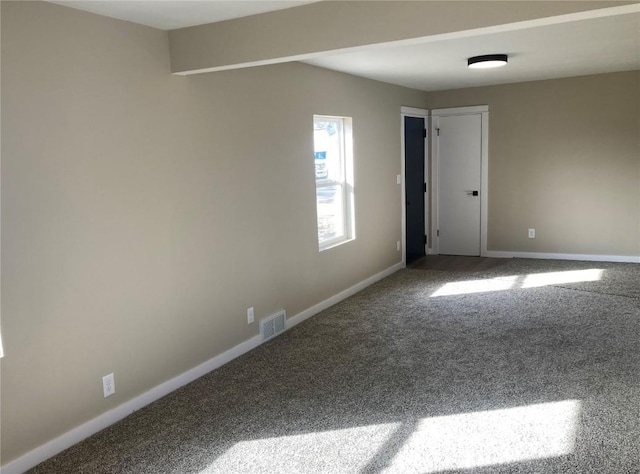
333	156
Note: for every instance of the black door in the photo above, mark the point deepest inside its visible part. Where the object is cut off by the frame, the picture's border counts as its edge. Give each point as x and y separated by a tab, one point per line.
414	136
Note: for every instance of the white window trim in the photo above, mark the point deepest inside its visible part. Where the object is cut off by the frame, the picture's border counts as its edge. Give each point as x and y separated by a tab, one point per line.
347	185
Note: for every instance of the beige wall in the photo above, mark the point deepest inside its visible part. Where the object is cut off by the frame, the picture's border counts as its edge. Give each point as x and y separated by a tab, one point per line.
142	213
564	158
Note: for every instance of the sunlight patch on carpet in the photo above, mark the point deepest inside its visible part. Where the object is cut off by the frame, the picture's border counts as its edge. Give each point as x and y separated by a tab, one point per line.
557	278
490	438
342	450
442	443
533	280
476	286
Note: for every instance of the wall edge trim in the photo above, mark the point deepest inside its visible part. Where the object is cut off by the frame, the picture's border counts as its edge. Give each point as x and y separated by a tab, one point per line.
100	422
307	313
566	256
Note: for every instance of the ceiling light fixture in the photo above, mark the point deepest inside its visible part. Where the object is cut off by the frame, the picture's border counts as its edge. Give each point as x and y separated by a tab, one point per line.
487	61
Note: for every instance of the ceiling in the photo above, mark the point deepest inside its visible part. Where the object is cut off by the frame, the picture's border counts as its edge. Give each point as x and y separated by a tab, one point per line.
552	48
576	48
174	14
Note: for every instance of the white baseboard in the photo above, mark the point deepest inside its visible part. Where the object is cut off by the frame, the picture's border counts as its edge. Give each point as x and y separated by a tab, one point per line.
74	436
565	256
307	313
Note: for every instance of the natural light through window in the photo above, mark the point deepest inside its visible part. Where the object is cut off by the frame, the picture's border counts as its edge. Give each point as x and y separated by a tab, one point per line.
489	438
526	281
557	278
340	450
435	444
333	158
476	286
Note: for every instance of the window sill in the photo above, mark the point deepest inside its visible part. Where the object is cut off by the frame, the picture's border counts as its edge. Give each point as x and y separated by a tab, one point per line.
335	244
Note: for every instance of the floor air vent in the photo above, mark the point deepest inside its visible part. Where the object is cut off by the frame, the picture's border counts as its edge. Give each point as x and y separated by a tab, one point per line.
273	325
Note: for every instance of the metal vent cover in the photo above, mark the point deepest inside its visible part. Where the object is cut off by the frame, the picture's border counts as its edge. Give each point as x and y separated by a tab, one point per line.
273	325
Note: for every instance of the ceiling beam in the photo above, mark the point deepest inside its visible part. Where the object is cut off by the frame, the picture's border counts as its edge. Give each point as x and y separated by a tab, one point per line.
310	30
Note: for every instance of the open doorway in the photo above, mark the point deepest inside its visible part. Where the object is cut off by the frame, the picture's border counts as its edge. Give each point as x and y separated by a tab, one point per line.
414	179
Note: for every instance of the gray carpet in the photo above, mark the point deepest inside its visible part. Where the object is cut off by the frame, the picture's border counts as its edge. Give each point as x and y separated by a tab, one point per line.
533	379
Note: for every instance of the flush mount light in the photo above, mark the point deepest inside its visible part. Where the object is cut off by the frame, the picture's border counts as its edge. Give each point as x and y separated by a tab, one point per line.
487	61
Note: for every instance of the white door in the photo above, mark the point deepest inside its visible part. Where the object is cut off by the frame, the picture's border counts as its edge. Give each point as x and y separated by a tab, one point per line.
459	168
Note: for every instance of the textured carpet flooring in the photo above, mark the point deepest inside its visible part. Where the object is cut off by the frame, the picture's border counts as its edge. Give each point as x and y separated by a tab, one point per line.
457	263
514	368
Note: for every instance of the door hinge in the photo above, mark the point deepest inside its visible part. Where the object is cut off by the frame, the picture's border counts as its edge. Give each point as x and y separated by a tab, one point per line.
438	232
426	240
438	131
424	187
424	133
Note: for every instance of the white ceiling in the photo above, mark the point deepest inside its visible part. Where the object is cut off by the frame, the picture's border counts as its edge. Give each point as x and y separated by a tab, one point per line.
589	43
575	48
174	14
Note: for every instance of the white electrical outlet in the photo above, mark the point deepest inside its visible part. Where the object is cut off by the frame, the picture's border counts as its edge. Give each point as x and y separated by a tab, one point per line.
532	233
250	315
108	385
398	246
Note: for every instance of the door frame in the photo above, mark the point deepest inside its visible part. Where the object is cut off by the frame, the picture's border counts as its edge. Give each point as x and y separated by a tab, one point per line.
416	113
483	111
